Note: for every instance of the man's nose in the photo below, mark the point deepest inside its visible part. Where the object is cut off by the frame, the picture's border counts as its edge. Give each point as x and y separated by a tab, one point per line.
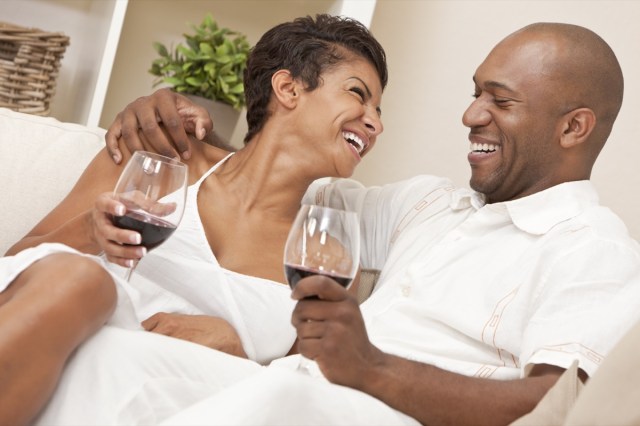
477	114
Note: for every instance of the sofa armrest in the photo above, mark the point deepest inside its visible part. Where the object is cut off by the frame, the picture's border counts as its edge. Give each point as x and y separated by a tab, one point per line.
41	160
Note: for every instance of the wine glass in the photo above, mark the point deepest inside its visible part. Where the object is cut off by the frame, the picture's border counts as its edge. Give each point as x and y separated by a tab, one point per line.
322	241
153	189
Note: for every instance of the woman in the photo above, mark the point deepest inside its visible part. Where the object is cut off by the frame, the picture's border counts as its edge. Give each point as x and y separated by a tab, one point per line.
313	90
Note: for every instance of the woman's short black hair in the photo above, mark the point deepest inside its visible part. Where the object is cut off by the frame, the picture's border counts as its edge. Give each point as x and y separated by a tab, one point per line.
306	47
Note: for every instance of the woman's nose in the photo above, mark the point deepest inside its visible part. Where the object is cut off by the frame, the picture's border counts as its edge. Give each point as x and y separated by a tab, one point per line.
373	122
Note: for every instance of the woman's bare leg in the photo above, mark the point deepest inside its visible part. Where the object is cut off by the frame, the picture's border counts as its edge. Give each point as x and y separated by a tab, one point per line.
47	311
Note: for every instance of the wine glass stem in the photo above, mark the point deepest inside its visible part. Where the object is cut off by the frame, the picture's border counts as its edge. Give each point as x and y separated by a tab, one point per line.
127	277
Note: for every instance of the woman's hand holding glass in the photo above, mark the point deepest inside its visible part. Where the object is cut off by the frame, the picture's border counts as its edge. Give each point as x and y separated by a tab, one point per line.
152	188
120	246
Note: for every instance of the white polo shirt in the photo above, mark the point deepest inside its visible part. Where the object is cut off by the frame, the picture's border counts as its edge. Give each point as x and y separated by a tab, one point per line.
489	290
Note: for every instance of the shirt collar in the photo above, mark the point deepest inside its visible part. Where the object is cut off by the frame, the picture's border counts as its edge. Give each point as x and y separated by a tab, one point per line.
464	198
539	212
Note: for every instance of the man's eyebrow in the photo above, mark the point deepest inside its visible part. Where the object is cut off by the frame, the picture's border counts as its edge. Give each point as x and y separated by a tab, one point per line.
495	85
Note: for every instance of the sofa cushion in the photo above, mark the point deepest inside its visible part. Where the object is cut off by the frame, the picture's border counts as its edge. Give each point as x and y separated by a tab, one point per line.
41	160
557	402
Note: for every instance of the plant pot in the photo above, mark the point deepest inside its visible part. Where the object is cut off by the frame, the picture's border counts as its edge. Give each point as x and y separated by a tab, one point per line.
224	116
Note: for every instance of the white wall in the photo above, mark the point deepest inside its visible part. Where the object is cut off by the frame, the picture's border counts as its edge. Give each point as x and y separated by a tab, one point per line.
433	49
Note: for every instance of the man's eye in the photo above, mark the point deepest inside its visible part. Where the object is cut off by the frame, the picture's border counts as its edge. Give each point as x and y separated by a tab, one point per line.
502	102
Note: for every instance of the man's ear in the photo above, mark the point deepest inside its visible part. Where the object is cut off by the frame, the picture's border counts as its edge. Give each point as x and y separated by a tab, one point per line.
578	125
286	89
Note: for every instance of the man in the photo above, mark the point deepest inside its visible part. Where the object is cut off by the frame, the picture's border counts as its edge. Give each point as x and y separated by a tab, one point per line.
484	297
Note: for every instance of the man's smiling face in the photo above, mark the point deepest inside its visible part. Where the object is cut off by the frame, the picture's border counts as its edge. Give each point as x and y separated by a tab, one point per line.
513	120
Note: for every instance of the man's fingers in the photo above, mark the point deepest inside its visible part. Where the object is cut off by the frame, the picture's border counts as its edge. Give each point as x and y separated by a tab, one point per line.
112	140
310	348
129	131
195	118
321	286
175	129
201	132
163	122
310	329
155	135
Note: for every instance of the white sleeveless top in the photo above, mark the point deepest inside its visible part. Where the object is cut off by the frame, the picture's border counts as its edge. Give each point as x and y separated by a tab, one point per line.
182	275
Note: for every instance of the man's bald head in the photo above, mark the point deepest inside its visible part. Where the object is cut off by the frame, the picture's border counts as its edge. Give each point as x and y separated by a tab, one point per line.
546	100
583	69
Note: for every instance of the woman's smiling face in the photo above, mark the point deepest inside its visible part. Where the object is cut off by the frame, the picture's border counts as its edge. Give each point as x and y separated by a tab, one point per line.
342	115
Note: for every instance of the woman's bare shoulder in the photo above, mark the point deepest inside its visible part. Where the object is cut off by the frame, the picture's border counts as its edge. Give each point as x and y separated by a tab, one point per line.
203	157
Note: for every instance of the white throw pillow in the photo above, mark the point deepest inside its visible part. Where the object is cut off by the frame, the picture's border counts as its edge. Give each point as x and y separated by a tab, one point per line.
41	160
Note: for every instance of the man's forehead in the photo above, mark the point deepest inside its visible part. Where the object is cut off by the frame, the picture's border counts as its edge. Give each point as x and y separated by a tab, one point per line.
517	59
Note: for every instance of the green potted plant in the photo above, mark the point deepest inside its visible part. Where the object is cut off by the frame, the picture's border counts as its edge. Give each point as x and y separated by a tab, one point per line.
210	66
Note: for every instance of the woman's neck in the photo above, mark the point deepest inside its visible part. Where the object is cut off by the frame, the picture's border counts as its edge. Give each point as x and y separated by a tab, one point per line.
266	175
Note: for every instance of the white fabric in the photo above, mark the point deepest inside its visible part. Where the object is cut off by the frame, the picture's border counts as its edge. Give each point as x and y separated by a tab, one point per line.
182	275
12	266
282	396
489	290
130	377
41	160
480	290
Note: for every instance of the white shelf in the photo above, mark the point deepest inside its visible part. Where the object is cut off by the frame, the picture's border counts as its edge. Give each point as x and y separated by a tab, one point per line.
106	64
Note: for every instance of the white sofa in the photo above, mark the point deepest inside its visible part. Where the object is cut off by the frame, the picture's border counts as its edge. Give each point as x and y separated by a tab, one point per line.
41	160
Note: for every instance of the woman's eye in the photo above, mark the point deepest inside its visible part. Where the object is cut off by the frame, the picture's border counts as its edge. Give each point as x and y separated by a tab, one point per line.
358	91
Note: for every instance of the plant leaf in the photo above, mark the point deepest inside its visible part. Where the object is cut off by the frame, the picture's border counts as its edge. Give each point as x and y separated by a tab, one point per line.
210	63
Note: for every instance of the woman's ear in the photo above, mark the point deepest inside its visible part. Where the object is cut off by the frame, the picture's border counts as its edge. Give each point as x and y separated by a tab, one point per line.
285	88
578	125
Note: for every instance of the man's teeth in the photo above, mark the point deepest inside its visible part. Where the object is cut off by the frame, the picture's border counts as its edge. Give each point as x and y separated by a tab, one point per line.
354	140
483	147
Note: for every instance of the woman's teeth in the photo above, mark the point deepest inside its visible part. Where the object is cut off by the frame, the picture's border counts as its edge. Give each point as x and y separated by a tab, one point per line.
354	140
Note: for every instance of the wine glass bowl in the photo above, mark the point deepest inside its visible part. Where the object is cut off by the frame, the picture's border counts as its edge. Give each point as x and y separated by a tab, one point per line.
322	241
153	189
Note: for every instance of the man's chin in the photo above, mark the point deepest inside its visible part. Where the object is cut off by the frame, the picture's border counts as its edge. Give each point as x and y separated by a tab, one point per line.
476	185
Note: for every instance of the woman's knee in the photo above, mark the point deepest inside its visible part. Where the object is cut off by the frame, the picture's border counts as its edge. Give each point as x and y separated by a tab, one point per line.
76	279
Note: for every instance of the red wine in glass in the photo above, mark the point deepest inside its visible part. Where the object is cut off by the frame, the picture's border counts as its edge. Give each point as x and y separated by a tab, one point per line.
295	273
153	231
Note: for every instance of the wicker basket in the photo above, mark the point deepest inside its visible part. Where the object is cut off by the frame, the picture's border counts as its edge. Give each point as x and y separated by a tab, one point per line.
29	63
